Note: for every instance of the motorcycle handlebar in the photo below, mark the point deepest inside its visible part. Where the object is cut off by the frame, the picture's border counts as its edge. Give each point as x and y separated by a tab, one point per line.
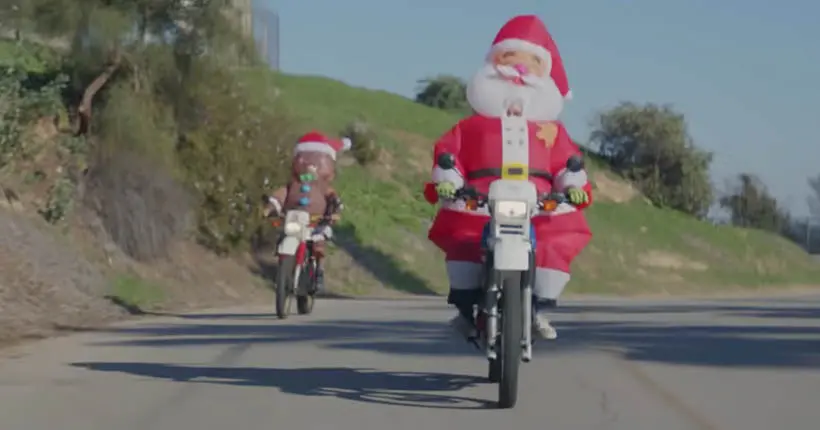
546	202
447	161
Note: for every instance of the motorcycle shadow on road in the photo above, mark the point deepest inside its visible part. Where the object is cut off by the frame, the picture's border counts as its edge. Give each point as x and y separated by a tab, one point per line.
411	389
671	337
396	337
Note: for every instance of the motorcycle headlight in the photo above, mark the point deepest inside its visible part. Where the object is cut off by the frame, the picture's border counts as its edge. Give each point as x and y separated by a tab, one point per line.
511	209
292	228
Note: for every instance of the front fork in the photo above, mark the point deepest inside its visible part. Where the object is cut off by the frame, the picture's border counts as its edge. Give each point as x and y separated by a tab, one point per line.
527	281
491	299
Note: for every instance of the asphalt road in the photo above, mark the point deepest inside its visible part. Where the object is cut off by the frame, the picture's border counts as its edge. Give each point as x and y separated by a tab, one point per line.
751	365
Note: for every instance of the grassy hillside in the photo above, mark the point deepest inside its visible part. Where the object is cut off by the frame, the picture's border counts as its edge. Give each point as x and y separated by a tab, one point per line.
382	242
636	248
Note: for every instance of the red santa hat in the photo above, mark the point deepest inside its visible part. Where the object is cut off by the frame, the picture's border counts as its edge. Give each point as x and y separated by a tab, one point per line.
529	34
317	142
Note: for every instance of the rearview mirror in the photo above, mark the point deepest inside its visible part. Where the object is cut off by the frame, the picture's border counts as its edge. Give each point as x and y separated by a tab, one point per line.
575	163
446	161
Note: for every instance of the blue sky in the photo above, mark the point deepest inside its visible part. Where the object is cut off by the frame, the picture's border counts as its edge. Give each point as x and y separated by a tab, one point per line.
744	72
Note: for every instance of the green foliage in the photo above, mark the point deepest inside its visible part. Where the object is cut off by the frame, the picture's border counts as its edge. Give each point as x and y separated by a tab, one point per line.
138	122
650	145
60	200
20	105
751	205
135	293
33	58
444	92
228	153
188	110
363	140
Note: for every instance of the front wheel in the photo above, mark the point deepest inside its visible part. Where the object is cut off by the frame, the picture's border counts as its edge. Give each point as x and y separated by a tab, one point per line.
511	335
285	285
494	374
304	304
306	297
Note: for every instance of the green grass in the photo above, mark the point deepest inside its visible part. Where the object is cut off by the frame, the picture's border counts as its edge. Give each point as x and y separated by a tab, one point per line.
136	293
636	247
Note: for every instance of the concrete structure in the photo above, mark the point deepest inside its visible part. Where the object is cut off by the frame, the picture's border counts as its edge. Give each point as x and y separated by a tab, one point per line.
266	33
244	15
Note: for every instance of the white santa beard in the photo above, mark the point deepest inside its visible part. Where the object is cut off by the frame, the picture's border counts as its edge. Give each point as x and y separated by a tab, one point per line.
487	93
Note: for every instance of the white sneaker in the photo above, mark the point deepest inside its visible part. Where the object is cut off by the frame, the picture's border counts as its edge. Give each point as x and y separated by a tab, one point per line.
541	326
463	327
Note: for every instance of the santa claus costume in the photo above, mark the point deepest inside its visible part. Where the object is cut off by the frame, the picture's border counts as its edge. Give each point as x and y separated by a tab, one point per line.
476	142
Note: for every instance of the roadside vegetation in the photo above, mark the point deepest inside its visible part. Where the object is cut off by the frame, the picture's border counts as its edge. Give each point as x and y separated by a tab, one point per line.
144	132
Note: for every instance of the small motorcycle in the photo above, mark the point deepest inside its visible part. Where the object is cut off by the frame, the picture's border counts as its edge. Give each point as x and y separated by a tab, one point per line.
297	271
504	315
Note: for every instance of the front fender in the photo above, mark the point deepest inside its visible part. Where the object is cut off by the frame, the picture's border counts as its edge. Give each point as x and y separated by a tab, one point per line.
288	246
511	254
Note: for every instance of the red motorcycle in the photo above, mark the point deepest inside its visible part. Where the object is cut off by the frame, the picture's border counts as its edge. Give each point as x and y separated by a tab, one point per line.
298	265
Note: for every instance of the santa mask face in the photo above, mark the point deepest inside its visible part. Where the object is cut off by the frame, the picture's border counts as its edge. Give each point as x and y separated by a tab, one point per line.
321	166
514	76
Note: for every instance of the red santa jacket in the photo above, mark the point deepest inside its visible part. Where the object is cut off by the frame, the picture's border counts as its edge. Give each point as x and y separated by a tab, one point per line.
476	143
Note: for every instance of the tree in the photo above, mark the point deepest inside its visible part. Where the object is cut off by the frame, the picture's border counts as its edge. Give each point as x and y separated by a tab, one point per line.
650	145
140	40
444	92
814	197
172	88
751	205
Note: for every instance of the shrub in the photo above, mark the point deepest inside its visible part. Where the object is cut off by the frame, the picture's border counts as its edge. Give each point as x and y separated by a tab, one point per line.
232	141
364	148
60	200
20	105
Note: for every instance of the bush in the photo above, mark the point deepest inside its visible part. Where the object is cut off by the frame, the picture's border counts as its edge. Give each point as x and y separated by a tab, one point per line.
60	201
650	145
142	206
364	148
444	92
232	141
20	105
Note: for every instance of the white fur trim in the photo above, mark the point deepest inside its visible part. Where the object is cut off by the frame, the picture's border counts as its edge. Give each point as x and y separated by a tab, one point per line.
549	283
275	203
322	233
566	179
316	147
522	45
464	275
486	95
568	96
346	143
452	176
562	209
